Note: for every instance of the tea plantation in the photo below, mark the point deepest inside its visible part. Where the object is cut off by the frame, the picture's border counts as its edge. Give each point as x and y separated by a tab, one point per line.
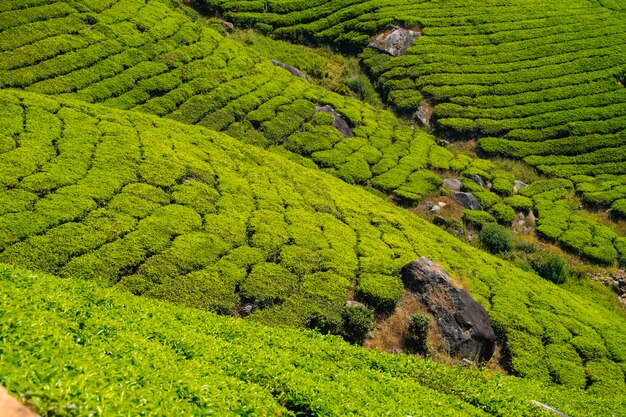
185	214
144	149
157	58
70	347
536	80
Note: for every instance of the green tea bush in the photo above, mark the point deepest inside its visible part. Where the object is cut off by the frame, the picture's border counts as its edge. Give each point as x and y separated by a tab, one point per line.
553	268
357	322
71	322
418	334
477	218
380	291
504	213
495	238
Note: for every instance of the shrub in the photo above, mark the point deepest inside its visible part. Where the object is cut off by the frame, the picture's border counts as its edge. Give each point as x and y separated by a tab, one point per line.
418	334
322	323
380	291
504	213
477	218
553	268
519	203
495	238
357	322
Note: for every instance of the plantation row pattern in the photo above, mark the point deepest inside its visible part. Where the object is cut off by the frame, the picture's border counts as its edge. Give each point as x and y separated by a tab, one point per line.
130	54
182	213
518	76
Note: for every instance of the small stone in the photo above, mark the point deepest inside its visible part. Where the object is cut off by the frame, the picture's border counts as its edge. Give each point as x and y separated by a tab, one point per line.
441	204
518	186
293	71
396	41
227	25
246	310
424	113
478	180
429	205
452	184
467	200
435	209
531	220
354	304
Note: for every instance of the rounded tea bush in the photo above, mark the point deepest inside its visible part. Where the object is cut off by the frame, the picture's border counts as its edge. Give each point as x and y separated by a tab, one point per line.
357	323
495	238
553	268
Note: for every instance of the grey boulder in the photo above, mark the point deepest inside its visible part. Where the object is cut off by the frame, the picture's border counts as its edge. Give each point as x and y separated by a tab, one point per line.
467	200
452	184
396	41
339	122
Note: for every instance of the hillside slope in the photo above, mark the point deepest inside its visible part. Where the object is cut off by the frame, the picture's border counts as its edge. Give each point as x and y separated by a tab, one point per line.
182	213
96	351
535	80
159	57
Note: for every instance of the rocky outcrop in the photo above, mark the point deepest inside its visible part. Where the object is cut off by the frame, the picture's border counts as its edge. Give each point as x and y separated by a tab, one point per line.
461	321
615	281
478	180
294	71
467	200
339	123
396	41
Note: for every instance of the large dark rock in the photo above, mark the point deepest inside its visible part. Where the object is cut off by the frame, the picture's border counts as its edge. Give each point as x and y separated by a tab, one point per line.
467	200
294	71
339	122
462	322
396	41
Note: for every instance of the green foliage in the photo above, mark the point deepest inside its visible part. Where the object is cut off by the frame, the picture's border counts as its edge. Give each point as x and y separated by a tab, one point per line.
380	291
519	203
495	238
207	366
357	322
418	333
553	268
181	213
477	218
503	213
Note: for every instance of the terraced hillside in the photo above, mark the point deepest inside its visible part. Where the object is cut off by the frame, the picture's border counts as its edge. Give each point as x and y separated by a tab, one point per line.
170	210
537	80
148	56
102	352
182	213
